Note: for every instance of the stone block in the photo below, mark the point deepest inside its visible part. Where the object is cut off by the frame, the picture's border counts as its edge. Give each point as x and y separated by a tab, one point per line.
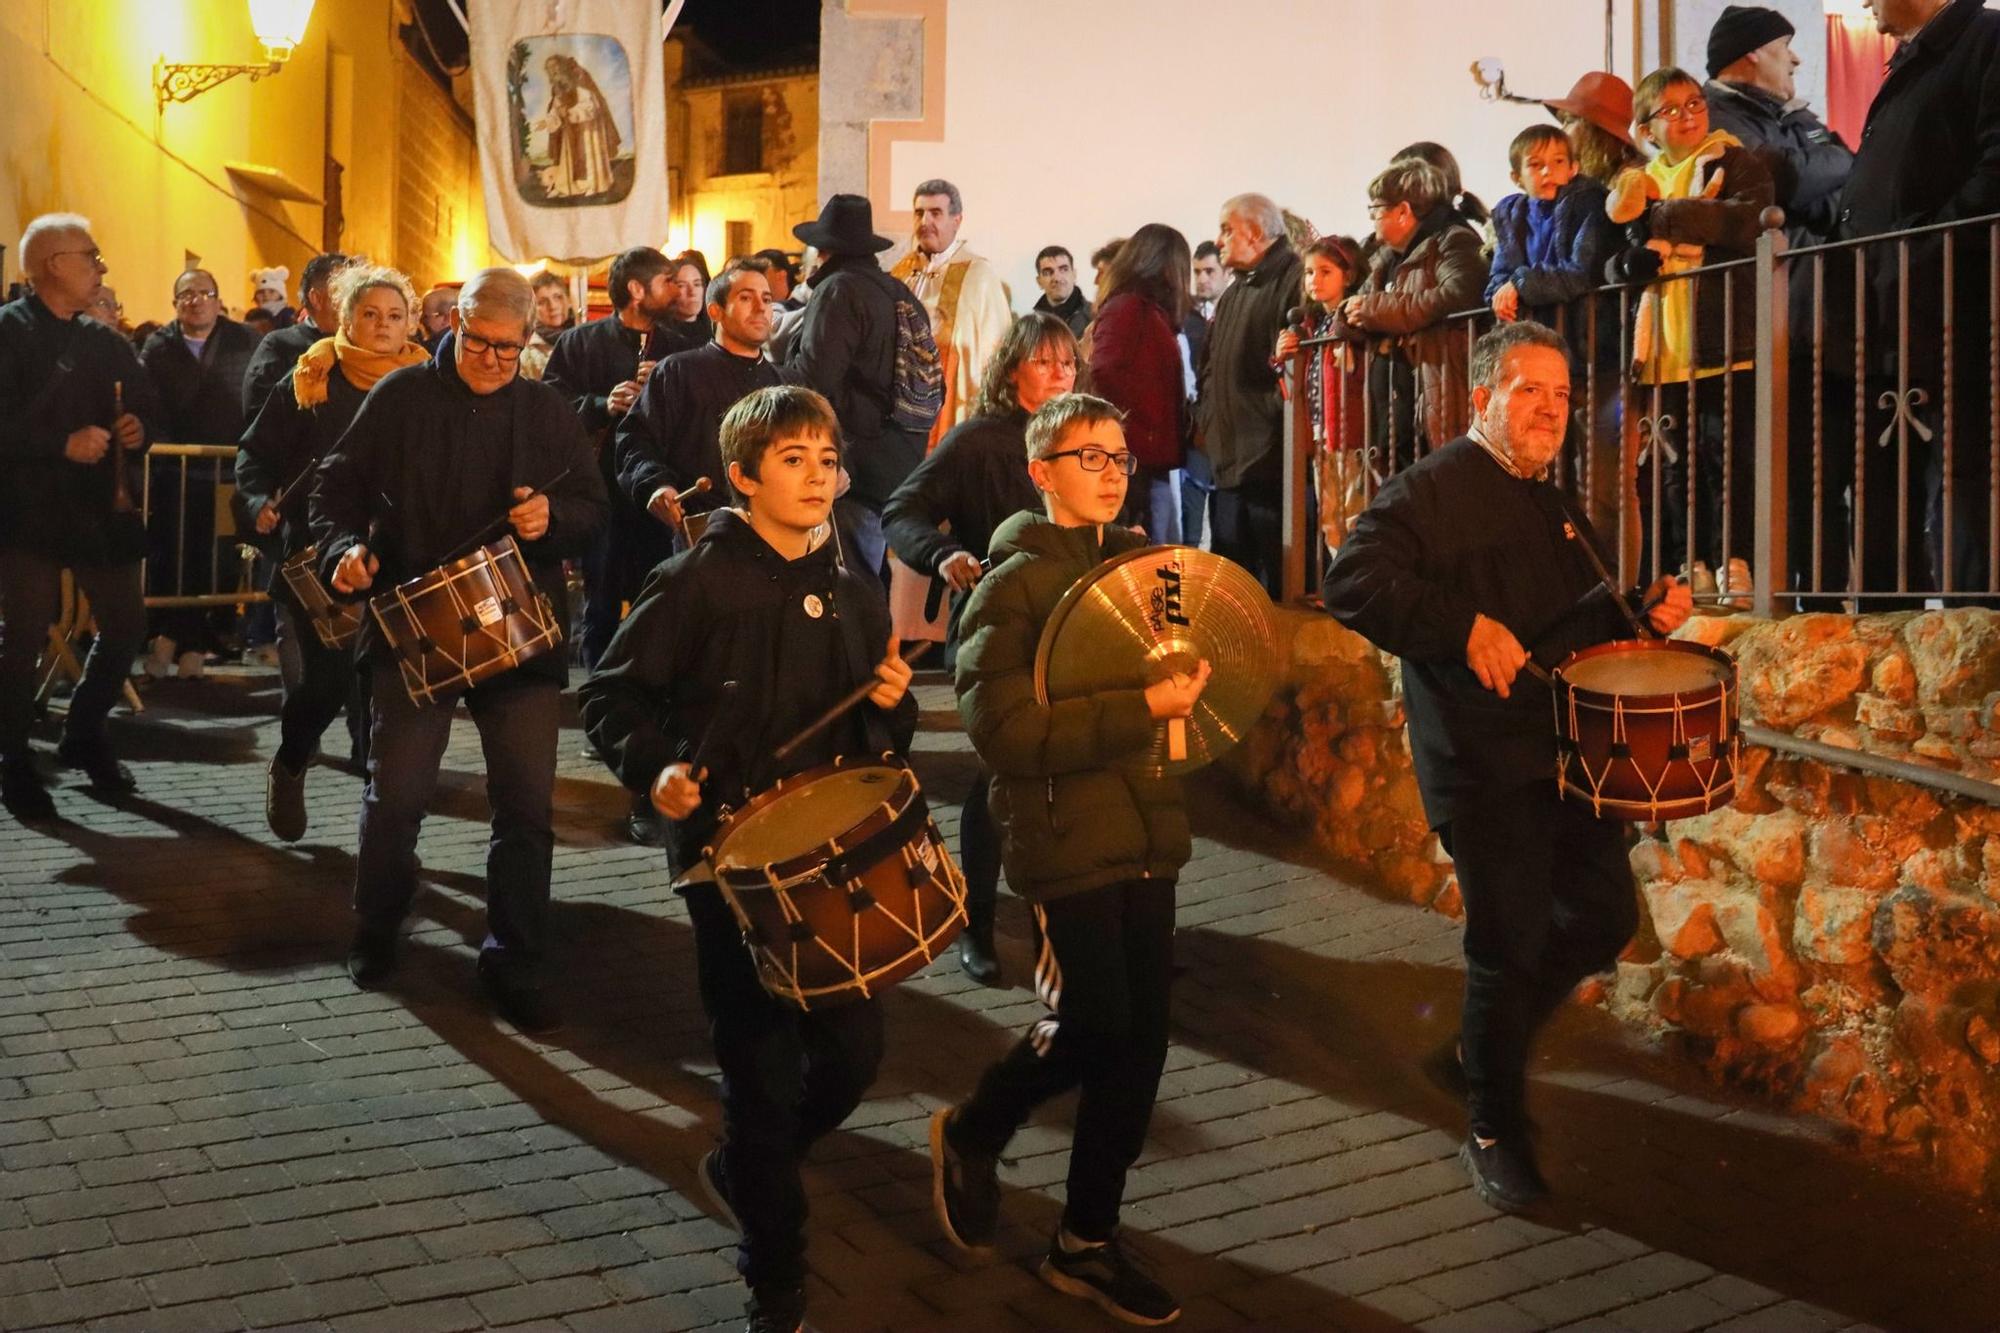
1888	719
1834	924
1933	942
1770	1025
1894	678
1956	654
1683	916
1799	668
1841	856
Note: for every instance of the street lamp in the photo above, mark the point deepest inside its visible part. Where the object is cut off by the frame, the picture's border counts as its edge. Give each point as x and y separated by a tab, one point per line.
280	26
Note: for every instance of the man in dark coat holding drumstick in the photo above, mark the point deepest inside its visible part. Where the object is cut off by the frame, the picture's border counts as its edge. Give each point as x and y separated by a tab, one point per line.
1469	566
443	457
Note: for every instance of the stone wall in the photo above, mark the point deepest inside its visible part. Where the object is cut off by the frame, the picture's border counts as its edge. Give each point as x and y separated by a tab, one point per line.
1830	940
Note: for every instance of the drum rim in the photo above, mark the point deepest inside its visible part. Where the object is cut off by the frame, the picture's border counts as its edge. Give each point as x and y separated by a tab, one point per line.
1587	696
818	855
491	553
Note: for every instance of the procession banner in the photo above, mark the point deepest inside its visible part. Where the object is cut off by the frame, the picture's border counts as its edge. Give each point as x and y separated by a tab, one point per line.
571	103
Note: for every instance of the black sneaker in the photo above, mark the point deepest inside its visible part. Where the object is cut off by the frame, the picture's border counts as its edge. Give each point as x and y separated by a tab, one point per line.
965	1188
22	790
1108	1277
99	765
518	995
285	801
776	1309
715	1186
976	956
1503	1170
371	957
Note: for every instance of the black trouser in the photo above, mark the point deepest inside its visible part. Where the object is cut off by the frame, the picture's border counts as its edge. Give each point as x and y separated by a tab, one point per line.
1549	900
1247	521
1104	962
1720	434
518	718
329	679
979	854
30	601
789	1077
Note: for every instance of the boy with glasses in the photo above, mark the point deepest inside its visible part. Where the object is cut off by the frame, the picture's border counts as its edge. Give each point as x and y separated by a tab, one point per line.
1095	846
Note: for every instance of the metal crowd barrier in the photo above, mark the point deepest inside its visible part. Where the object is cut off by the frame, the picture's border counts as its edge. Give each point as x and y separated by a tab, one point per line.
192	510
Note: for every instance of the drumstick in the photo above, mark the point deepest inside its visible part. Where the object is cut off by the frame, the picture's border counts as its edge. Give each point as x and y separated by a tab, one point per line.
478	538
698	766
701	485
833	714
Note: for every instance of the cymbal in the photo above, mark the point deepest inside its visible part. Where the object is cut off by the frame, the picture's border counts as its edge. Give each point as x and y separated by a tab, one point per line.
1142	616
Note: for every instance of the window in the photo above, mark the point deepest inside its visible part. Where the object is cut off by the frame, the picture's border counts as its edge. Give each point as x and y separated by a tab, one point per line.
743	134
739	239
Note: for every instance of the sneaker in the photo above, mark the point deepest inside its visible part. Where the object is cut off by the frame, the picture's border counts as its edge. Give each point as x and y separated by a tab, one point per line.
285	801
159	661
976	957
965	1188
99	765
715	1186
776	1309
1110	1279
518	995
1503	1170
191	666
371	957
1738	585
22	791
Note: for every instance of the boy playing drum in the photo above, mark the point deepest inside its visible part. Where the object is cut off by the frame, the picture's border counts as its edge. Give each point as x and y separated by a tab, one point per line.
732	648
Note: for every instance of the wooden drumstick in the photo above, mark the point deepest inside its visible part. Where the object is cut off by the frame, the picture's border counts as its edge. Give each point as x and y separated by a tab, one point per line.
698	765
701	486
833	714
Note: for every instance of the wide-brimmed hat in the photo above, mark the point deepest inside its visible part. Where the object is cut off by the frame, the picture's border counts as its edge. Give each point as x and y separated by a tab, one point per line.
1605	100
845	226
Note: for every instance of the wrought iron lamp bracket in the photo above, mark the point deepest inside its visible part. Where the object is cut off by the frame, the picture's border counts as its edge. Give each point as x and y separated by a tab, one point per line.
184	83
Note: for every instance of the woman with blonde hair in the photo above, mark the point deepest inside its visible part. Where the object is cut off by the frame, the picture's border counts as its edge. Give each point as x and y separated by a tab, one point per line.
306	413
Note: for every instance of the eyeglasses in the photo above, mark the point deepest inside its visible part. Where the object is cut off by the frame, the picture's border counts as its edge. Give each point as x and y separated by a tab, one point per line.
190	296
1092	459
95	256
1050	363
1378	209
478	346
1694	106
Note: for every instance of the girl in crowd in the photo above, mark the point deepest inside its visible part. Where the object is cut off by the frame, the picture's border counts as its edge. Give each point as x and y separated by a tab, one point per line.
1135	363
1333	386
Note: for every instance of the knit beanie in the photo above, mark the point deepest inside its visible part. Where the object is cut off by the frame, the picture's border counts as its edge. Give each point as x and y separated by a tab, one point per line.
1740	30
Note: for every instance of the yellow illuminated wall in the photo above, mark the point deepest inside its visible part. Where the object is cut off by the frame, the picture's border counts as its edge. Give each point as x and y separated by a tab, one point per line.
82	134
705	199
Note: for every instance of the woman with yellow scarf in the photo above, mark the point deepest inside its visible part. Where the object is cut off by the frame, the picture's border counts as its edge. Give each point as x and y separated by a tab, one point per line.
306	413
1697	203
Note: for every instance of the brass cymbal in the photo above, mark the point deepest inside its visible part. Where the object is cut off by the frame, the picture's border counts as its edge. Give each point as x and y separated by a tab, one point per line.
1142	616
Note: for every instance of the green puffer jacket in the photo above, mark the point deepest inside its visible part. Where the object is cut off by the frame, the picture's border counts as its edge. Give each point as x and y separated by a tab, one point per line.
1071	818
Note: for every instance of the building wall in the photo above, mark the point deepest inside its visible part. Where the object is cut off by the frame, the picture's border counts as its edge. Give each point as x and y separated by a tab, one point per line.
707	199
440	215
83	134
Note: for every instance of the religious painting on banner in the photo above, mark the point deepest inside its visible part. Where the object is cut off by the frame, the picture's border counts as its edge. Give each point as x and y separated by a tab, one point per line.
572	126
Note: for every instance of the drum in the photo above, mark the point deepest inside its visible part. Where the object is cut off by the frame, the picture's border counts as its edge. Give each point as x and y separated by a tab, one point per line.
840	882
1647	730
336	623
466	621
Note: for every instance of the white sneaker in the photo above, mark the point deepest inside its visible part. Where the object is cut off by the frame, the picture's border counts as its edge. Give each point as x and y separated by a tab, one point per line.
190	666
1738	584
159	660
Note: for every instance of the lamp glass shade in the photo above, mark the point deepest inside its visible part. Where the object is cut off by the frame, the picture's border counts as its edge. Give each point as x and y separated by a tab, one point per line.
280	24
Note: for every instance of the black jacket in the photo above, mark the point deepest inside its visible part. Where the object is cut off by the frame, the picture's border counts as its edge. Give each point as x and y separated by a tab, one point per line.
1807	161
279	451
1449	538
586	364
1074	312
202	397
733	609
671	437
56	376
275	358
433	466
1241	418
847	350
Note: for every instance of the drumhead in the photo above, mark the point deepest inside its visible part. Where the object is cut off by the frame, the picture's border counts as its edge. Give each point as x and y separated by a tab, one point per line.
804	818
1658	671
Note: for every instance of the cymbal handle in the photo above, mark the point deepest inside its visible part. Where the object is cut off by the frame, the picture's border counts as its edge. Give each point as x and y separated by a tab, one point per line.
1177	739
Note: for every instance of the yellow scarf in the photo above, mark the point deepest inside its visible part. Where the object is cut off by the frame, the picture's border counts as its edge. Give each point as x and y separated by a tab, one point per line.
1668	307
358	365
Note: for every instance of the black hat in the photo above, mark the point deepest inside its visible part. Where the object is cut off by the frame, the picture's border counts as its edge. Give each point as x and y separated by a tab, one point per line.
846	226
1740	30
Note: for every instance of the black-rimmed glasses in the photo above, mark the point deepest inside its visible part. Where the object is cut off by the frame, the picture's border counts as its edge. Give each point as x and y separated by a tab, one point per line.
1092	459
479	346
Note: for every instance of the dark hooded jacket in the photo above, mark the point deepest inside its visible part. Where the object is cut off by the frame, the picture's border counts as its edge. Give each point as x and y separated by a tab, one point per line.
1240	415
279	452
201	396
1807	161
1072	815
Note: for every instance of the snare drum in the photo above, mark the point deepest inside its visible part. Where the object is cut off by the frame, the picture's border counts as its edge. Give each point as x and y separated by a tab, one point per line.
1647	730
840	882
336	623
466	622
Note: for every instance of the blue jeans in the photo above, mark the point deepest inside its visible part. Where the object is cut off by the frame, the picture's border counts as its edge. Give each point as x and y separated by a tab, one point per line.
1197	484
1154	492
867	545
518	720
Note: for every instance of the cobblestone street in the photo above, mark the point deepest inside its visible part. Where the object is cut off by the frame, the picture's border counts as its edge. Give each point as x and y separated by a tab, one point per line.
204	1125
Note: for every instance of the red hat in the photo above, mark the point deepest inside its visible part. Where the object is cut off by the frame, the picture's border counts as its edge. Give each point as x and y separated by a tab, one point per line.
1605	100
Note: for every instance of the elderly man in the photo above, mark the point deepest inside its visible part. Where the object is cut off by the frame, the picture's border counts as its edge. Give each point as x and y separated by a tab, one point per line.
1055	274
72	403
434	314
440	453
1752	93
1468	566
1241	415
961	292
279	353
198	361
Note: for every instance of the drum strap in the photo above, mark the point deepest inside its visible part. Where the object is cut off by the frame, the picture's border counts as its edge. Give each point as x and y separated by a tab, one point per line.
878	847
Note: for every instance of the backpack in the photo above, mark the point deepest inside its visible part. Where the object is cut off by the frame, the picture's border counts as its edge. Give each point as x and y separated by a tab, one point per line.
916	388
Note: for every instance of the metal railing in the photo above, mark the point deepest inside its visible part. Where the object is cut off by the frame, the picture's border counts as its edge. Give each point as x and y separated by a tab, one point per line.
1882	342
189	524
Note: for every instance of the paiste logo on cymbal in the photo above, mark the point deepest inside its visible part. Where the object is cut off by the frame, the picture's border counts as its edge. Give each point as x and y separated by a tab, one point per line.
1166	598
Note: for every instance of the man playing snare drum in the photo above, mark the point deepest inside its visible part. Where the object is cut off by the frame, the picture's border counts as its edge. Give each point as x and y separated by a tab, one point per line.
733	648
1467	566
442	457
